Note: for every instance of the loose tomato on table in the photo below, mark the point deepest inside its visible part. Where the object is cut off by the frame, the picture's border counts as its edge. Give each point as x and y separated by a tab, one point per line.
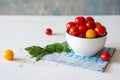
105	56
8	54
48	31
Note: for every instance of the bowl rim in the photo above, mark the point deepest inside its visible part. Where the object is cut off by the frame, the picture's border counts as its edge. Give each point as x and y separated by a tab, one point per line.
87	38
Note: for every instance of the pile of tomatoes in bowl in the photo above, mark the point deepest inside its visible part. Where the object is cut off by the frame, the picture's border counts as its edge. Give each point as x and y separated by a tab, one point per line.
86	27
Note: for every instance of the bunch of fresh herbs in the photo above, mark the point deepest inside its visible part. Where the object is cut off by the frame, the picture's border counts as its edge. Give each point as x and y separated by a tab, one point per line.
39	52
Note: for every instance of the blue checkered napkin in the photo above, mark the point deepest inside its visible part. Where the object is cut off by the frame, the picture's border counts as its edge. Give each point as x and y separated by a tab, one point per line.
72	59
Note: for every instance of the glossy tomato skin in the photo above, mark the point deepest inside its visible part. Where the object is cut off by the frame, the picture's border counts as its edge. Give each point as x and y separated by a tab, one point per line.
74	31
90	33
70	24
80	20
48	31
100	31
82	28
105	56
89	19
90	25
82	35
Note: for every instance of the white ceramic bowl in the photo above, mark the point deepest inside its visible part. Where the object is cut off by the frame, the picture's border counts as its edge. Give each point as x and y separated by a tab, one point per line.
85	46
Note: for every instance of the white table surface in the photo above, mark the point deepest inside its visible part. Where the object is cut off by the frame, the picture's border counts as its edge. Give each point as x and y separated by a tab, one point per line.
18	32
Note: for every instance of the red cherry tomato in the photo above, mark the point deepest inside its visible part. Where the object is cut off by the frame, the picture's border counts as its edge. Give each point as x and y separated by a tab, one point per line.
90	24
80	20
48	31
74	31
89	19
82	29
105	56
69	24
82	35
100	31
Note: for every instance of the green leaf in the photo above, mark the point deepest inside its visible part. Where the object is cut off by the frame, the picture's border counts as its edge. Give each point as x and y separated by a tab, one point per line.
50	48
59	47
39	52
39	57
34	51
65	47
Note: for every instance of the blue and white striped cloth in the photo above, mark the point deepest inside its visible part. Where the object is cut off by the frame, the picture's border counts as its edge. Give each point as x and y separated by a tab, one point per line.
92	63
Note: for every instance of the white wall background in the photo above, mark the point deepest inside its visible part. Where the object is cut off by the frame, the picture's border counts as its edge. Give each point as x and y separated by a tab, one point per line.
59	7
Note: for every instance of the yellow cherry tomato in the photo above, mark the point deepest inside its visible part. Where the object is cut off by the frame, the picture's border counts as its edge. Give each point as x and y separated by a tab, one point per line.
90	33
98	24
8	55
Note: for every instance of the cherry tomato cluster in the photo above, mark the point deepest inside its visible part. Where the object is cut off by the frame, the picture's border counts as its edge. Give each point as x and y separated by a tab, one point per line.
85	28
